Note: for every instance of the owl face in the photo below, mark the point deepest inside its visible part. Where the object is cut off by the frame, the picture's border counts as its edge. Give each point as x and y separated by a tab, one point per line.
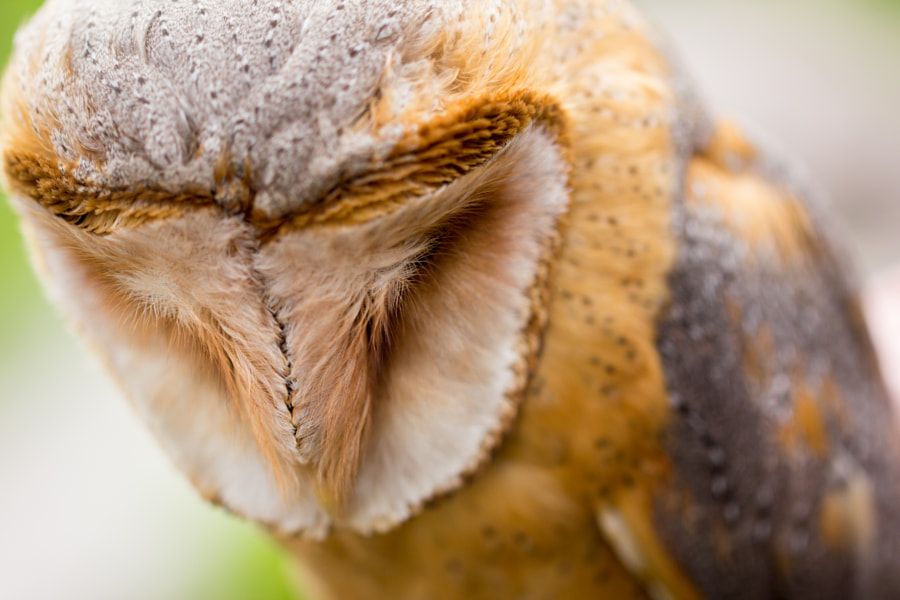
314	249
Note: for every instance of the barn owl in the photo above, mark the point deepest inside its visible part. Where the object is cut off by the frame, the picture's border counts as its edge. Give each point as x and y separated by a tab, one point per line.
462	299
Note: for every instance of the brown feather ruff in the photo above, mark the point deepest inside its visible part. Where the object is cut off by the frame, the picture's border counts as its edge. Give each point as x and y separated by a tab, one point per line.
94	208
461	139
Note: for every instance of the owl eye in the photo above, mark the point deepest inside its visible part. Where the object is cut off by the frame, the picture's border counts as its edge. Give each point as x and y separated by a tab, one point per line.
95	209
99	222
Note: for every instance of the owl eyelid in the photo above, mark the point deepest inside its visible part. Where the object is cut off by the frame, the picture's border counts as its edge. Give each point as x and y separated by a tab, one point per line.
94	209
461	140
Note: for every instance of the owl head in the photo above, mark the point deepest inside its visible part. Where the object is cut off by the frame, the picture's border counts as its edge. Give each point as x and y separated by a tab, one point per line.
312	240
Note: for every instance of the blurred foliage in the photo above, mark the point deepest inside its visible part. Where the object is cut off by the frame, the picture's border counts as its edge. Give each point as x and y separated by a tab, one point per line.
250	567
20	293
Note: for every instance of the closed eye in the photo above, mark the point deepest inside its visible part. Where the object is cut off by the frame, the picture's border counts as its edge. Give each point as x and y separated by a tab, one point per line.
93	208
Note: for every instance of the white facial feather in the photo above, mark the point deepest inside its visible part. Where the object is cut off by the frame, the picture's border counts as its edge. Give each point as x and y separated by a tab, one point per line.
446	397
328	373
447	391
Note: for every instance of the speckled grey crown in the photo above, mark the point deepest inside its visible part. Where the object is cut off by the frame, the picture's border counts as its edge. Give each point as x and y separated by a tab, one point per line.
176	94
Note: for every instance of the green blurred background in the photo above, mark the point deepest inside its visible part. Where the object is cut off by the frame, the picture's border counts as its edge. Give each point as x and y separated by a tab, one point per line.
89	507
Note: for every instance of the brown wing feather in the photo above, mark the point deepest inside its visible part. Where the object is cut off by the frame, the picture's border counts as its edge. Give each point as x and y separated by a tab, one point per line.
784	448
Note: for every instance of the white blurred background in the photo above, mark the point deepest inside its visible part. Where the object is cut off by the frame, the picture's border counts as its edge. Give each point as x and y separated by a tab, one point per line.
822	78
90	509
